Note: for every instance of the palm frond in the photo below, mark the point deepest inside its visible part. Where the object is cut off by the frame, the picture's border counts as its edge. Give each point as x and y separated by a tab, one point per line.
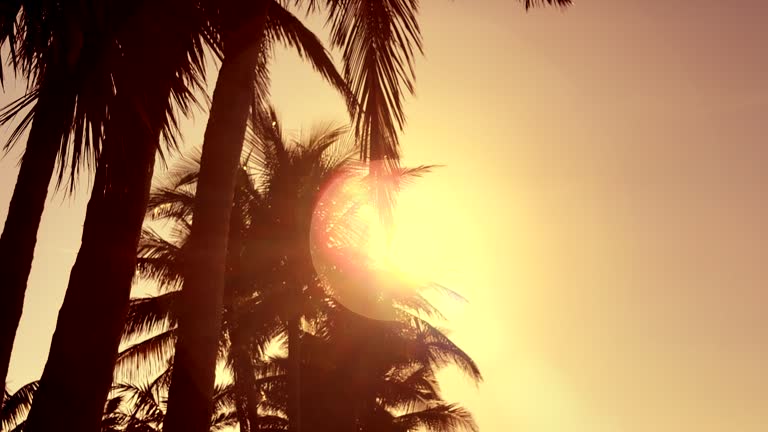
410	391
536	3
433	345
172	204
144	400
378	39
20	427
13	110
282	26
150	315
271	423
223	420
160	260
438	418
416	303
143	358
15	407
8	31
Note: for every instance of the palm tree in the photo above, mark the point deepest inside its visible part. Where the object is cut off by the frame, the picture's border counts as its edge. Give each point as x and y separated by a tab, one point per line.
270	223
140	407
77	375
140	112
261	211
361	374
138	116
15	407
387	35
132	407
378	39
47	46
241	84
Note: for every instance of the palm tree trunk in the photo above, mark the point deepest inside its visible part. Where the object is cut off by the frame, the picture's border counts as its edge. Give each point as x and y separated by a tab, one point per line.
240	356
294	375
17	243
189	397
244	386
78	373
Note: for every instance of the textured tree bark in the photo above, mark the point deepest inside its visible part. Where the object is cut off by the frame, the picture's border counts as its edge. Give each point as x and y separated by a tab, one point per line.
17	243
78	373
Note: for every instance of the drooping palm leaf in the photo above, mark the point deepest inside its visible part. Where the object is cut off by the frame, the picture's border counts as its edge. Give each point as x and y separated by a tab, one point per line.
151	315
283	27
145	357
378	40
160	260
440	417
15	406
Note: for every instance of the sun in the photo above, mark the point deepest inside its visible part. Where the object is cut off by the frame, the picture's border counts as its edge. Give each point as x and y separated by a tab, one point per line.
362	260
392	249
378	239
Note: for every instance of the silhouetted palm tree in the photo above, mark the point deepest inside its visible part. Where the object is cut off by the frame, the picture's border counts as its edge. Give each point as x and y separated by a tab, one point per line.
132	407
378	39
360	374
269	257
140	111
53	45
247	31
77	375
139	108
263	234
141	407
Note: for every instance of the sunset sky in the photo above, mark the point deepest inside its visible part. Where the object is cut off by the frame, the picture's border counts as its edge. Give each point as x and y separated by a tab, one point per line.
602	205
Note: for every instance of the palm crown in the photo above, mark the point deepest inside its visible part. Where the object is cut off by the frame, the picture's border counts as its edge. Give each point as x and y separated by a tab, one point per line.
278	188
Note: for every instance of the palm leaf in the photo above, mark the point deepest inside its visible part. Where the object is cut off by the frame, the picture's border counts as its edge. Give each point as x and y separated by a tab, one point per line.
282	26
142	358
160	260
15	406
433	345
378	39
438	418
536	3
150	315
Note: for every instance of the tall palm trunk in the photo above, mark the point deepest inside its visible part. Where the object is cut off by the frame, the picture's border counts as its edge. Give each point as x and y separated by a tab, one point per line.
294	375
240	355
245	387
78	373
17	243
194	370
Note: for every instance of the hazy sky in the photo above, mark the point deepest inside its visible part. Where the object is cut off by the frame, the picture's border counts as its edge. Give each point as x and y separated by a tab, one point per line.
602	206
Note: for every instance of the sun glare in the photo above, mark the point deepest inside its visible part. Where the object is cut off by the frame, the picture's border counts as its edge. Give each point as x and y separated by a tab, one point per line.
363	261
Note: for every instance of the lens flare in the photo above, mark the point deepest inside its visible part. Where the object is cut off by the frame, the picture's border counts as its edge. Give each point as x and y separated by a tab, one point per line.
351	249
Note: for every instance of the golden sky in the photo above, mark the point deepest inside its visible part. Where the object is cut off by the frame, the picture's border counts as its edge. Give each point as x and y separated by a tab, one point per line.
602	206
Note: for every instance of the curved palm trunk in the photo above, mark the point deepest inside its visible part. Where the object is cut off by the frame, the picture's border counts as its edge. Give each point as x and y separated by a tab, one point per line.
189	397
17	243
78	373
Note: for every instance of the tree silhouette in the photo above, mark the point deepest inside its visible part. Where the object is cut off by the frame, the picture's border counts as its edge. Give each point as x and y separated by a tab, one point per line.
77	375
105	80
247	33
271	260
52	46
132	407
